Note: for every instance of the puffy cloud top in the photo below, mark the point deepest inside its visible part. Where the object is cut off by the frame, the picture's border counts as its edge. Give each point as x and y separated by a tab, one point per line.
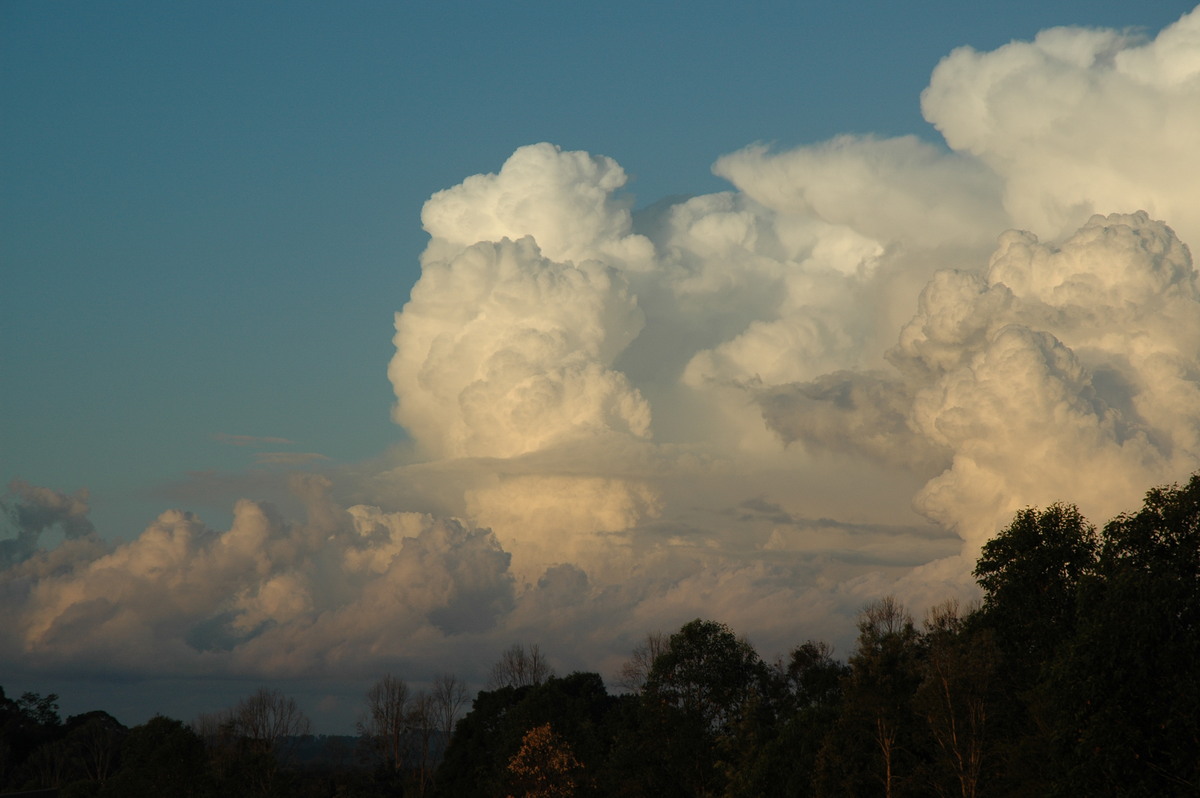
1080	121
1118	261
502	351
565	200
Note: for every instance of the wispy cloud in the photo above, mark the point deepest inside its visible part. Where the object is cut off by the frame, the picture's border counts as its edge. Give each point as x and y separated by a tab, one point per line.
250	440
288	458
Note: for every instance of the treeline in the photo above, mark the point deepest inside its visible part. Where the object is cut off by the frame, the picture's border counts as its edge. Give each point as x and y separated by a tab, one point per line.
1077	675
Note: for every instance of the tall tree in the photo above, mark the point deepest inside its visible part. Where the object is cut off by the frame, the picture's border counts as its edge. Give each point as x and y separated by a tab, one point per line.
957	698
250	743
26	724
875	747
386	718
700	690
1030	573
422	724
479	750
1125	689
636	669
779	743
449	694
268	718
488	737
519	666
95	740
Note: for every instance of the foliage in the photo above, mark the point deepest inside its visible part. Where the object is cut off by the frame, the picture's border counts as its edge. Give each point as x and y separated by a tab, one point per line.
1123	692
491	734
782	756
957	698
874	746
162	757
1030	573
703	691
544	766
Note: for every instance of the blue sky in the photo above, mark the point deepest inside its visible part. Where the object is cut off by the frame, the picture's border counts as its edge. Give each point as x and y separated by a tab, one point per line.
211	211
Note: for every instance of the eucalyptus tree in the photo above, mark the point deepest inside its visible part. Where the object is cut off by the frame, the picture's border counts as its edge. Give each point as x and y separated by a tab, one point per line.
876	746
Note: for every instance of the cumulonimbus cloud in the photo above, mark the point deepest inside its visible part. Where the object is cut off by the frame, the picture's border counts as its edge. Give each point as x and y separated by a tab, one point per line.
767	405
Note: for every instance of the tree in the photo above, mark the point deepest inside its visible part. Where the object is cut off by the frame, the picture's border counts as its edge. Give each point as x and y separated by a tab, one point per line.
386	718
1124	692
248	743
636	669
41	710
874	744
421	726
706	672
49	765
27	724
268	718
698	693
490	735
519	667
449	694
957	699
94	739
781	757
161	757
479	750
885	666
544	766
1030	573
813	677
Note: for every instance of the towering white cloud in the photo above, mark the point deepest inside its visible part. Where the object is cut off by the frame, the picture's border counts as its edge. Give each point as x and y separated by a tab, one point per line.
502	351
567	201
1080	121
768	405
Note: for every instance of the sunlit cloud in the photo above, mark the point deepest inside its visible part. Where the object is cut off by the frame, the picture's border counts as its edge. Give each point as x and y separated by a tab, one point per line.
768	405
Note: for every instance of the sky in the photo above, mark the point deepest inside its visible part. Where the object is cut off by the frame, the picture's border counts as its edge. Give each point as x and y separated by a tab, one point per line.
340	340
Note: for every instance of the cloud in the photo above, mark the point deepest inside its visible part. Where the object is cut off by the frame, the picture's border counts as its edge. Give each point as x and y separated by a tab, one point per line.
1080	121
249	440
502	351
888	190
37	509
767	405
287	458
567	201
266	595
864	413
